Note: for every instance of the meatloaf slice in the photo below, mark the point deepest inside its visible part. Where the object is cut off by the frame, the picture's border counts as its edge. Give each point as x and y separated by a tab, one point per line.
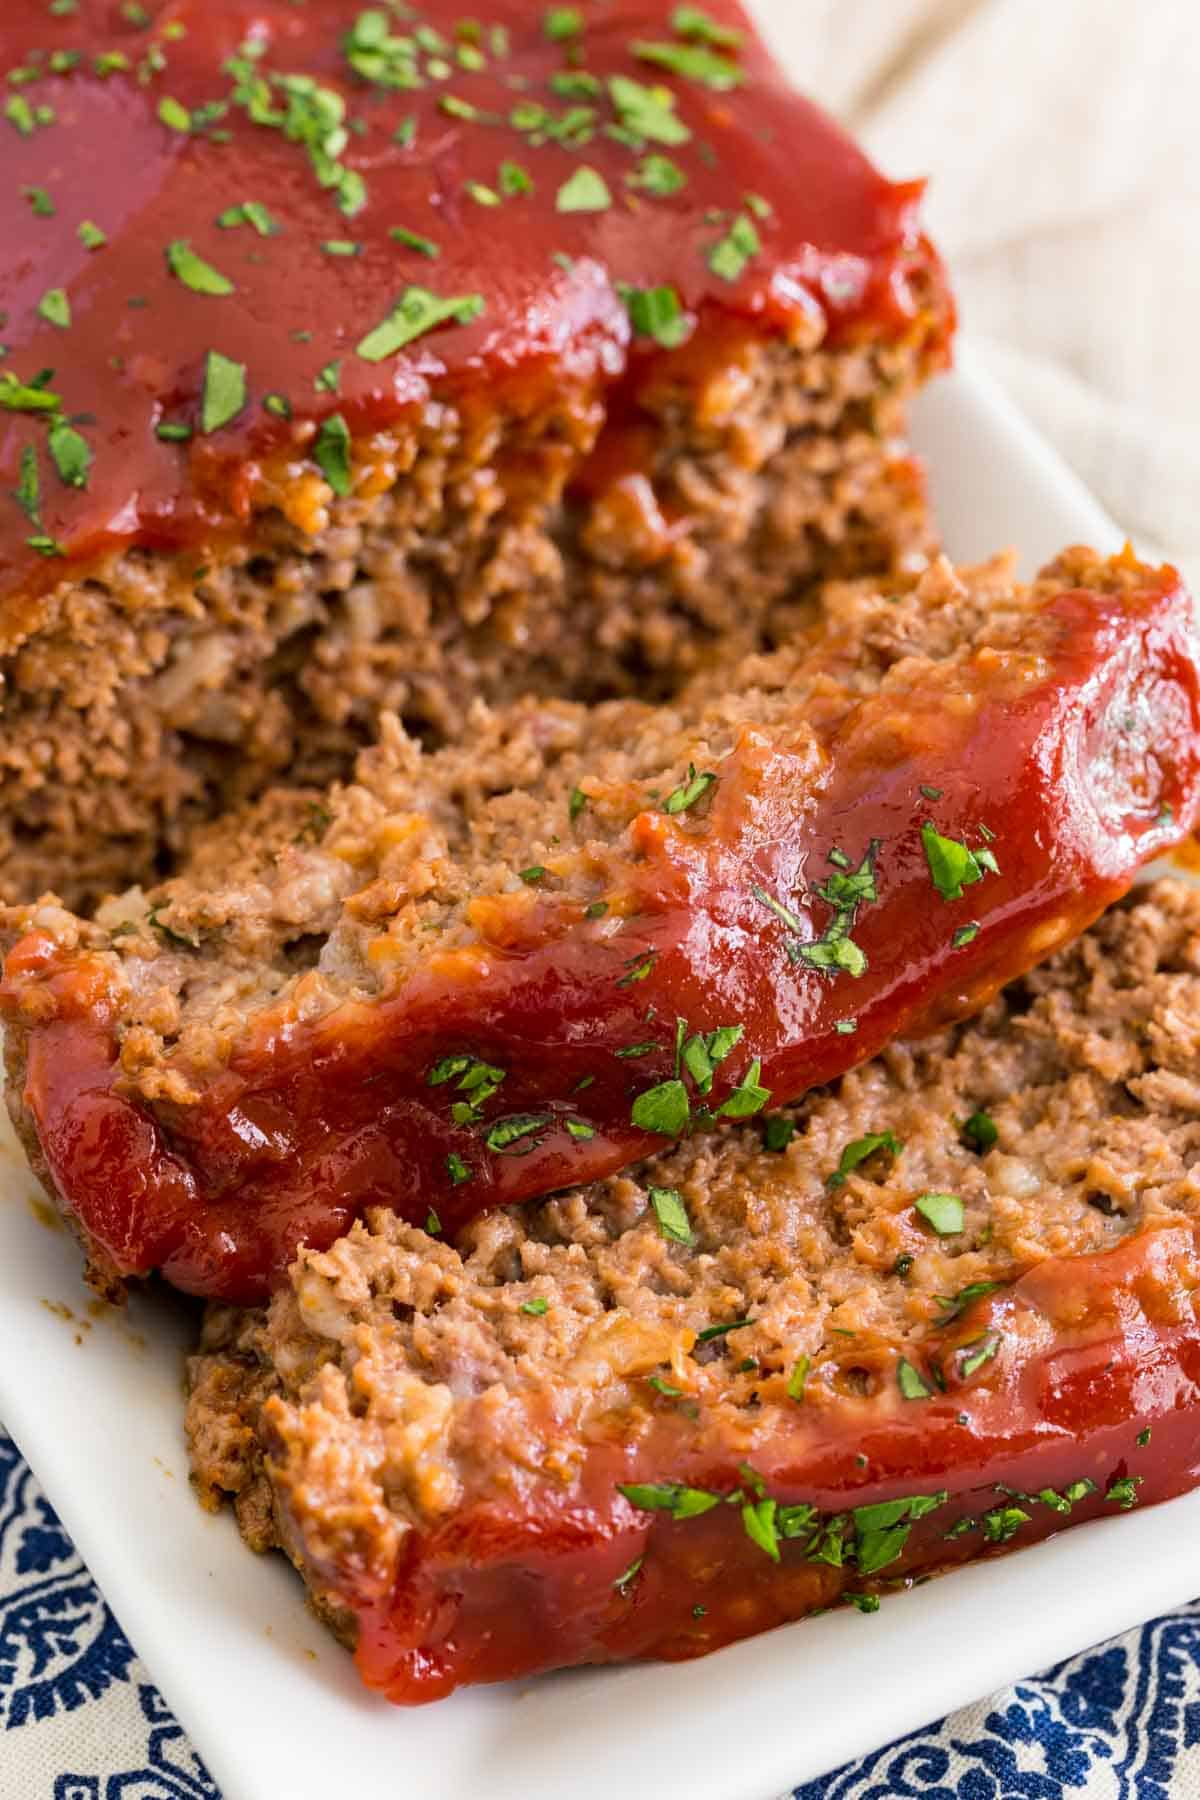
483	974
358	362
946	1306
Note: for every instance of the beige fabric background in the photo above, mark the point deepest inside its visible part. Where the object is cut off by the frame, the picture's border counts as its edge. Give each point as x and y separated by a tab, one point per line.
1063	142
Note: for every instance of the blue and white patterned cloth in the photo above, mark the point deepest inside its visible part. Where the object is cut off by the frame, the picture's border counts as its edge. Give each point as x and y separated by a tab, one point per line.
81	1719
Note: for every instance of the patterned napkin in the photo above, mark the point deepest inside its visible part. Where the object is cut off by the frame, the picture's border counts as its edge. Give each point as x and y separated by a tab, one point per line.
80	1718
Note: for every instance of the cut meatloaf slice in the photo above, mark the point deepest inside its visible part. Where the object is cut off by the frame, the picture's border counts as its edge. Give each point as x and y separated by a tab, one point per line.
484	974
947	1306
344	373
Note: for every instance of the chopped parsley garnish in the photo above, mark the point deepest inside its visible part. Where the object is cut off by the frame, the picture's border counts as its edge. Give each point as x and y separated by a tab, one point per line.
252	213
1123	1492
625	1581
40	202
174	115
943	1211
1003	1523
695	62
902	1265
798	1379
341	247
482	195
647	114
657	174
1143	1437
758	1520
732	255
859	1150
90	235
563	22
70	453
172	431
433	1224
586	191
719	1331
28	493
412	240
331	453
329	381
224	391
966	934
911	1382
657	313
673	1497
957	1304
693	22
417	312
536	1308
514	179
864	1603
973	1356
979	1133
778	1133
664	1109
952	865
576	802
194	272
55	308
672	1215
689	792
532	875
457	1169
638	968
578	1128
748	1098
665	1388
517	1130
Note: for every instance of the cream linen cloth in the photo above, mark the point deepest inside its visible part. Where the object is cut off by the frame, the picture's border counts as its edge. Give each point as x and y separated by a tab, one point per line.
1063	142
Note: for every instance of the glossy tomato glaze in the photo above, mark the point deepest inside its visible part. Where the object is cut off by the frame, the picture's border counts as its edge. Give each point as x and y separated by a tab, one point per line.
104	138
1073	763
1094	1350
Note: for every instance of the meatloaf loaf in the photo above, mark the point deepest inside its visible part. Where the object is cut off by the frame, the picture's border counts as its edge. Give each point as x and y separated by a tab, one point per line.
495	971
483	974
375	359
946	1306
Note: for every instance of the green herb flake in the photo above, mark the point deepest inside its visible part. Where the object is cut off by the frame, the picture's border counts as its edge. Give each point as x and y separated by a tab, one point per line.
1003	1523
798	1379
405	133
663	1110
672	1497
252	213
514	179
40	202
341	247
658	313
482	195
596	909
748	1097
943	1211
224	391
864	1603
859	1150
586	191
457	1169
732	255
55	308
536	1308
278	405
625	1581
576	802
758	1521
956	1305
417	313
194	272
1143	1437
911	1382
28	491
331	453
966	934
711	1332
171	431
90	235
517	1130
412	240
980	1133
174	115
70	453
638	968
646	114
778	1133
973	1356
693	22
562	23
578	1128
672	1214
952	866
689	792
695	62
658	175
1079	1490
433	1224
1123	1492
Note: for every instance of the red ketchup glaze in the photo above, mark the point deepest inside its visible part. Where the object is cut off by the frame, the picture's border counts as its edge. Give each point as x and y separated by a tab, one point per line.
1081	761
91	126
1093	1351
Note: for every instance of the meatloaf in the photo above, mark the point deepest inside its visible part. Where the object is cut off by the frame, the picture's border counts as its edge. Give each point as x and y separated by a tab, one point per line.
485	973
363	360
945	1306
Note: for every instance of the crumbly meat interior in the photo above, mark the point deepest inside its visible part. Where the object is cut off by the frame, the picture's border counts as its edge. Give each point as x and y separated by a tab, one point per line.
154	692
398	1375
324	896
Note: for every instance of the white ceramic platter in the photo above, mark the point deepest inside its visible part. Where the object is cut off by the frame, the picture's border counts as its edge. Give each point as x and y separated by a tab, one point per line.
275	1707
